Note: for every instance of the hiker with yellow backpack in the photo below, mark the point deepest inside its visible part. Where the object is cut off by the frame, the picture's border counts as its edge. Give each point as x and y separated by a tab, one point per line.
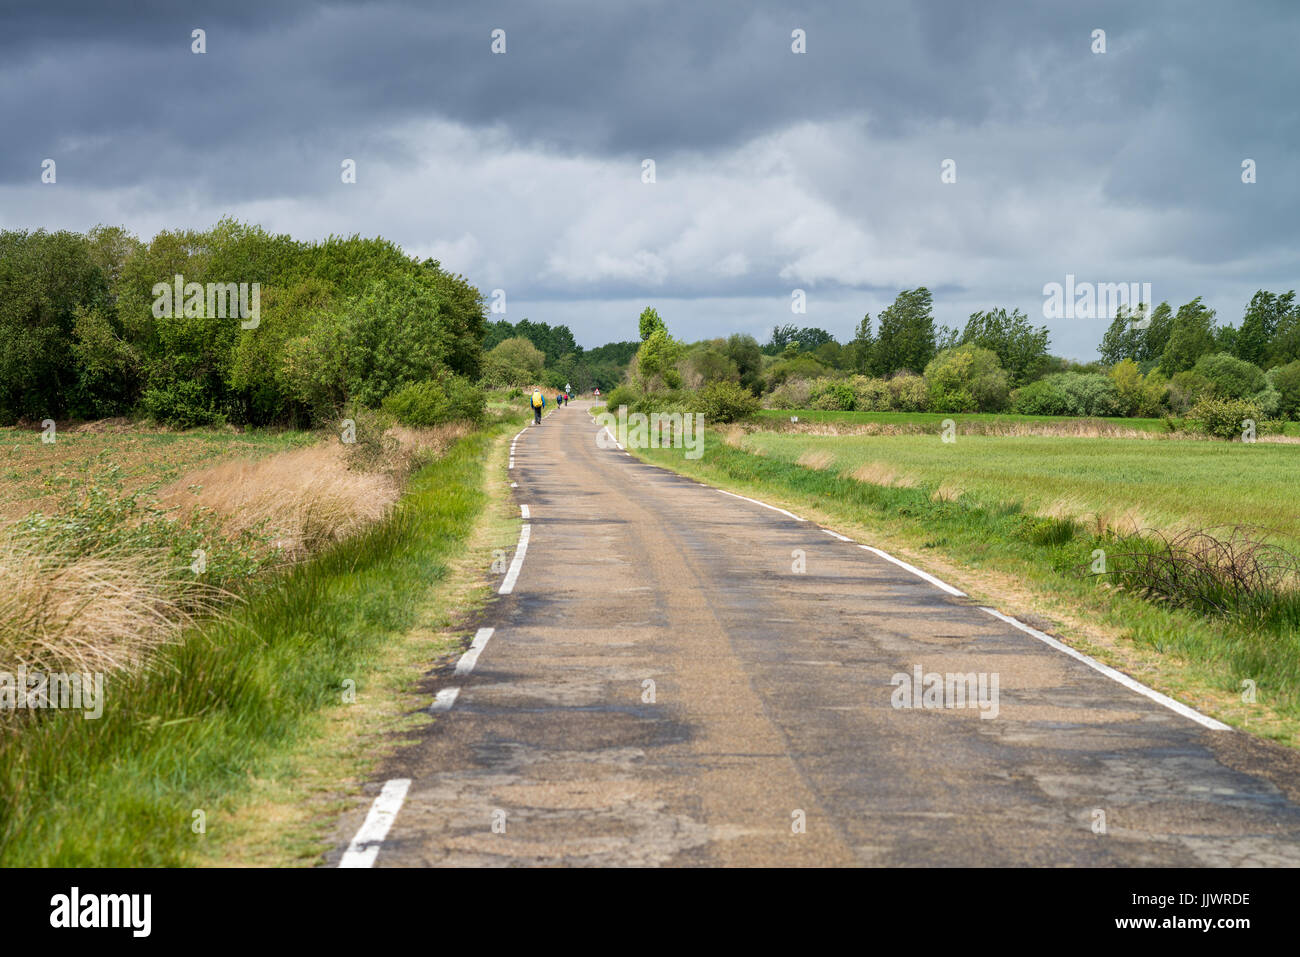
539	403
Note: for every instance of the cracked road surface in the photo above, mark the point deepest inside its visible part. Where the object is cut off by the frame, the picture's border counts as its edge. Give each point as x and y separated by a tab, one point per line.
664	688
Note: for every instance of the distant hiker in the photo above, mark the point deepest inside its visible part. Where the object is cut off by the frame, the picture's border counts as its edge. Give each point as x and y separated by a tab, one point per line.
559	399
539	403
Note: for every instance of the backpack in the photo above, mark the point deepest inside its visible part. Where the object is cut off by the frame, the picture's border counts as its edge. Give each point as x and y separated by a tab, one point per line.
537	398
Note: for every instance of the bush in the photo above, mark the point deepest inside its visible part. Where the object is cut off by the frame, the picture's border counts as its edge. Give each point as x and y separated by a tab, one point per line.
1223	418
725	402
515	361
1069	393
834	395
871	395
183	403
621	395
908	393
966	379
1139	395
1039	398
1285	380
435	401
1186	389
1230	377
793	393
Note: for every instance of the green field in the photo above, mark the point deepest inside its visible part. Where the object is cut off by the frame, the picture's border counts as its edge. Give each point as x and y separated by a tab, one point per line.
1163	484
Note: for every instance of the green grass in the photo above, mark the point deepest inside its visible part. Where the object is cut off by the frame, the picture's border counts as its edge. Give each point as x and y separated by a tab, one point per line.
223	703
1163	483
994	541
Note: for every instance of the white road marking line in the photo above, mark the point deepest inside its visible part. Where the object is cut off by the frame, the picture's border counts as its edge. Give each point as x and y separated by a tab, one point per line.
764	504
843	538
1131	683
524	511
517	564
916	571
365	846
444	699
470	658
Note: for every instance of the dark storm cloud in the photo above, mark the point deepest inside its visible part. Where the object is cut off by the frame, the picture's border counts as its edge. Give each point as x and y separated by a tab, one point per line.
1068	161
617	77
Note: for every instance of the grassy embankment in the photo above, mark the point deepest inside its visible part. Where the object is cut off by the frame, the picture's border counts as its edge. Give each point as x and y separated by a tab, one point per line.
1015	521
247	697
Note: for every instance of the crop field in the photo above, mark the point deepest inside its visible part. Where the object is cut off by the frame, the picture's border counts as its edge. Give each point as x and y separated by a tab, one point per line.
1167	484
33	473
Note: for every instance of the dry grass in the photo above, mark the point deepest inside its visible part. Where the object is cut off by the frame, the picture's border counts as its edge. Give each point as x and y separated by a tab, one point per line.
90	614
102	612
878	473
947	492
819	460
1116	519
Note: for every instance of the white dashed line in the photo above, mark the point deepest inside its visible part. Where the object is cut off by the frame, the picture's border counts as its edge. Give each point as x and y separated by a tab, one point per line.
444	699
470	658
517	564
365	846
523	509
1131	683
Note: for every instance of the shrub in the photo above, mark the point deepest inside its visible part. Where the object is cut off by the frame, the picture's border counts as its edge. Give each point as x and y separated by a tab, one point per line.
1069	393
1230	377
871	395
835	395
514	362
725	402
908	393
1186	389
1139	395
1223	418
966	379
434	401
183	403
793	393
621	395
1285	380
1043	397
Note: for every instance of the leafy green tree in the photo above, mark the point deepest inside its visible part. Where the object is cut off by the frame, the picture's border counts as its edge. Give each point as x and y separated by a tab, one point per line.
649	323
45	278
1265	316
860	350
656	360
744	352
782	338
906	339
1191	336
514	362
1021	349
1230	377
1285	380
966	379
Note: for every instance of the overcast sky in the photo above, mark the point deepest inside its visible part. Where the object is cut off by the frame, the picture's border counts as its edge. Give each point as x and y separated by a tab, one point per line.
774	170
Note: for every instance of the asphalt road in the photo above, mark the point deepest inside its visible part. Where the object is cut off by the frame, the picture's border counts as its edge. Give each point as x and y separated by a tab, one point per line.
770	734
